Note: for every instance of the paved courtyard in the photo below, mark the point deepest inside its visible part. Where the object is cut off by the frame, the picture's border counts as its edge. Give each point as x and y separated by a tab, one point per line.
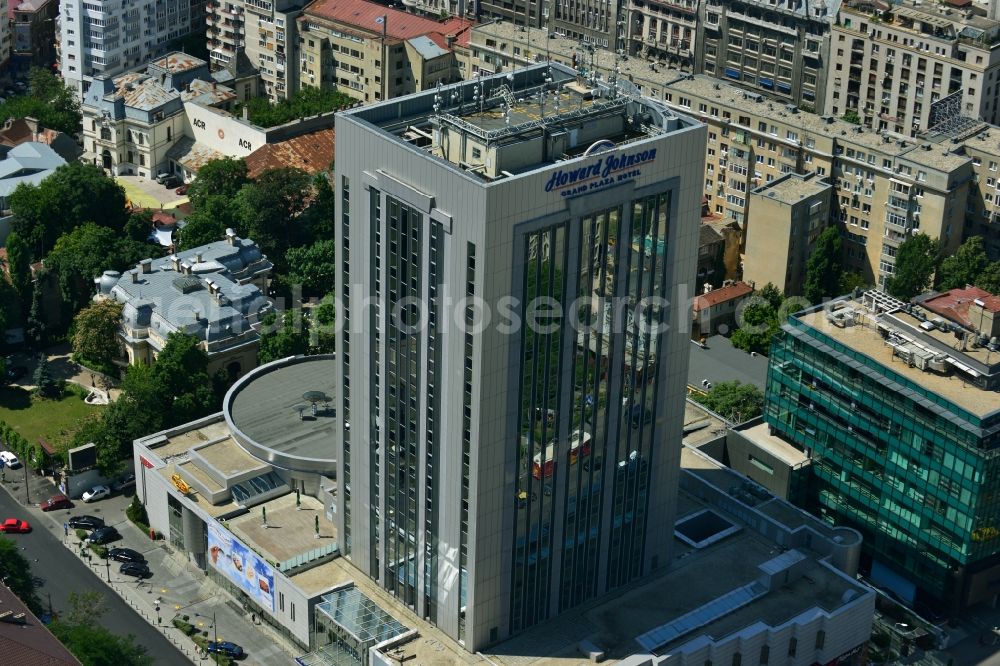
147	193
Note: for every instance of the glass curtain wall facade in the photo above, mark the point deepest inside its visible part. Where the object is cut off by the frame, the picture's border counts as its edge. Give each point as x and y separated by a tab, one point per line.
911	471
602	366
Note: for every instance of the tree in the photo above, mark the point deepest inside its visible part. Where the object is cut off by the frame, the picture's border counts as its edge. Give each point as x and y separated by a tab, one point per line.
851	116
291	338
73	194
965	266
268	211
772	295
19	265
309	101
205	225
46	385
50	102
314	267
851	280
36	327
734	401
95	331
989	279
320	217
17	574
90	642
824	267
139	226
322	327
218	178
915	263
83	254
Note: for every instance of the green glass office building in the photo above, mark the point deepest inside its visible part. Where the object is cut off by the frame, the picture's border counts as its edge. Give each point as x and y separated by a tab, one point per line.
899	410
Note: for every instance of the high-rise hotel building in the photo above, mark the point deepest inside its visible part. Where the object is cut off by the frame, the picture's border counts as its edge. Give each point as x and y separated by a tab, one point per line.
511	251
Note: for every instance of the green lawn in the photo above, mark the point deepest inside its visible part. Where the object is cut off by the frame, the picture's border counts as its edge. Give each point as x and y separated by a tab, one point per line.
35	418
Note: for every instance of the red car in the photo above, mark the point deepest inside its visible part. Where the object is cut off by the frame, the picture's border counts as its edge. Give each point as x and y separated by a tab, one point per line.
15	525
56	502
183	189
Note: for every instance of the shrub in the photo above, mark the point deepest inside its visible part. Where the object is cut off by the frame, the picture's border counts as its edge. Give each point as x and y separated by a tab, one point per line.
136	512
81	535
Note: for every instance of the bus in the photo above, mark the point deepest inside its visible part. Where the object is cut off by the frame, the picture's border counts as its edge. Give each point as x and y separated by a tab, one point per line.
544	466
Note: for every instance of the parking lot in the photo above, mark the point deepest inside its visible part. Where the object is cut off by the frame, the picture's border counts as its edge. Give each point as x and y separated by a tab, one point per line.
147	193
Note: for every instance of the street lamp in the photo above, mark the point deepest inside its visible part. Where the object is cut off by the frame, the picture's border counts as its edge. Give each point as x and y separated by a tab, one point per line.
107	566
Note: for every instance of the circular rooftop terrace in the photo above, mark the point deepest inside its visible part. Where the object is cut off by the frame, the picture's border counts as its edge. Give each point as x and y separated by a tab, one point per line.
283	413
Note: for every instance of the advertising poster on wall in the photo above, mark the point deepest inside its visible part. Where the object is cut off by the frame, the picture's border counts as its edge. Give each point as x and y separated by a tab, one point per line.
241	566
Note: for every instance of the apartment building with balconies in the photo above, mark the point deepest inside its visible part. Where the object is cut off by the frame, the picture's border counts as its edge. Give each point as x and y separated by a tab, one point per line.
264	31
108	37
664	30
886	188
778	47
982	215
913	66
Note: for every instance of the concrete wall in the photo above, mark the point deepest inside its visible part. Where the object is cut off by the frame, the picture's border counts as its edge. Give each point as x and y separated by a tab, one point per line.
741	452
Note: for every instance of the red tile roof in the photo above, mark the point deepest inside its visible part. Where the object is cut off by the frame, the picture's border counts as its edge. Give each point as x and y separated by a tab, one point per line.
399	25
954	303
721	295
313	153
30	643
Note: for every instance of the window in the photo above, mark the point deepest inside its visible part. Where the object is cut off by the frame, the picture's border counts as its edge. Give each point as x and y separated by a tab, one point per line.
281	601
765	654
737	659
292	615
792	646
477	153
820	639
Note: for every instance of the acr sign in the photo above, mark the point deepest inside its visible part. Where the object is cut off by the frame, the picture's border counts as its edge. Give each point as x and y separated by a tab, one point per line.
603	172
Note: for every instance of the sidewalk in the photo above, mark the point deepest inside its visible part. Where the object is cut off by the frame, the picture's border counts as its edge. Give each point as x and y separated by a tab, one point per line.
175	588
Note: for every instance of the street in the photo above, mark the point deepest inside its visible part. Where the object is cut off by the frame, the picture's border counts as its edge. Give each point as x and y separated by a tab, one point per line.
59	572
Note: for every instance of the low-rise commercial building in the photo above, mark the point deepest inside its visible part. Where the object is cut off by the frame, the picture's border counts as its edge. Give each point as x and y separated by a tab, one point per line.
787	215
30	162
715	310
895	403
753	575
214	292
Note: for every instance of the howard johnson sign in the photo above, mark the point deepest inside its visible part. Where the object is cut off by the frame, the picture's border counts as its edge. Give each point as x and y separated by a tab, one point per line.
603	172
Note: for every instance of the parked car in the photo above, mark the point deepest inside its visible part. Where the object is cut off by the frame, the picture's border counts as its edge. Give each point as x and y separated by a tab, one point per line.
137	569
96	493
170	182
56	502
15	526
641	415
104	535
162	177
231	650
125	555
9	459
183	189
15	372
86	522
127	481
